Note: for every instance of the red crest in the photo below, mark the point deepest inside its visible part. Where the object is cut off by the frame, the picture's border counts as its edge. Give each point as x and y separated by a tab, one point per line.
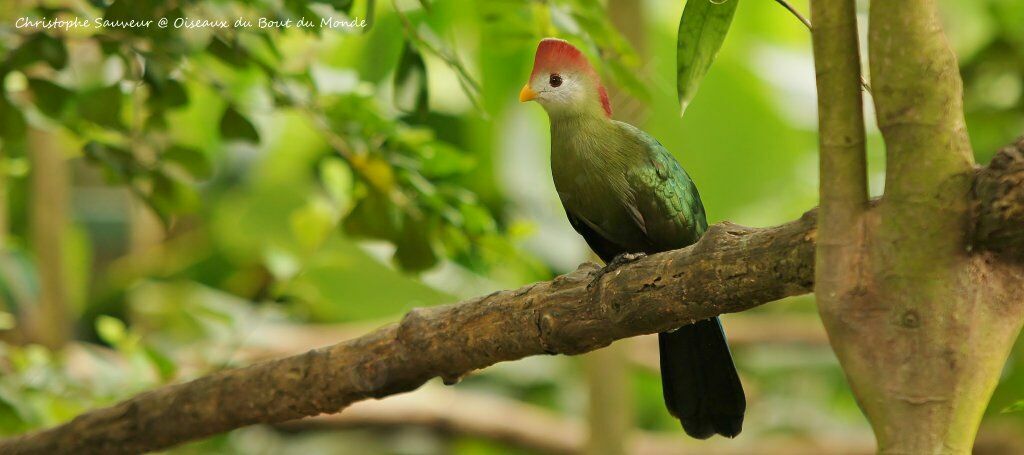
555	55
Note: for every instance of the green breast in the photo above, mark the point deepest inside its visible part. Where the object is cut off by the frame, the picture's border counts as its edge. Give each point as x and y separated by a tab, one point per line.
625	185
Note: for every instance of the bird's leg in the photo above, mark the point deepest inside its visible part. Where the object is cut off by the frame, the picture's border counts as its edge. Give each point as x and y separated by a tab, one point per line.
623	259
616	262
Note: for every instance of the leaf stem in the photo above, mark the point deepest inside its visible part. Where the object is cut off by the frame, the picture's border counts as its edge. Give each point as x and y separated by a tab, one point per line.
794	12
807	23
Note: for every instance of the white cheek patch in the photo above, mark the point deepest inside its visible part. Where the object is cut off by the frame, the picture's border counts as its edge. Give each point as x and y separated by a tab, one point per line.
566	95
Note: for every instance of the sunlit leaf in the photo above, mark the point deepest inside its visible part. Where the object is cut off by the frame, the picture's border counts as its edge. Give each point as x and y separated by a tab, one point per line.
14	166
161	362
336	178
311	223
191	160
1015	407
702	30
477	220
375	170
110	329
439	160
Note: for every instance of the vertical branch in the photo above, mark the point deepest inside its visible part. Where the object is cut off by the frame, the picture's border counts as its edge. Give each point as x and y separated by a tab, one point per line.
843	168
918	98
49	320
919	88
609	411
842	187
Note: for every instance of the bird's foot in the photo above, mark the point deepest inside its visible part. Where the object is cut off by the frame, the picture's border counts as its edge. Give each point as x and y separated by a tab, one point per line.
618	261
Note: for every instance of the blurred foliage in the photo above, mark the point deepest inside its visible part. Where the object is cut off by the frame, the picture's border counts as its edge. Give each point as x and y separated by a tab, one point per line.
227	179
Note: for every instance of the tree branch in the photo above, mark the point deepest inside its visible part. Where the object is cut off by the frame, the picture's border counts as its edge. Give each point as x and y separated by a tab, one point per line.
732	268
842	181
843	188
918	98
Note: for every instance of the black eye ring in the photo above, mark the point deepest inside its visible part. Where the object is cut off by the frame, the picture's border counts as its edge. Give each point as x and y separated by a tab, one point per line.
555	80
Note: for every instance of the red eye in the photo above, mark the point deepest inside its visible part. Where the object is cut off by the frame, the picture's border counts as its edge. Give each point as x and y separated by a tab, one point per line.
555	80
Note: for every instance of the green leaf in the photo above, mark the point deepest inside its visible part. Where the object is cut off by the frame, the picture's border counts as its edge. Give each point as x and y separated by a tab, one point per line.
1016	407
12	122
231	53
375	217
312	223
190	159
50	98
337	179
439	160
702	30
234	126
370	11
163	364
118	164
14	166
102	106
415	250
410	83
165	93
169	196
38	47
110	329
477	220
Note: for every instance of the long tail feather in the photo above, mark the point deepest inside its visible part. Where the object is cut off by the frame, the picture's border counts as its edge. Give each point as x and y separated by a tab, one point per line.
699	380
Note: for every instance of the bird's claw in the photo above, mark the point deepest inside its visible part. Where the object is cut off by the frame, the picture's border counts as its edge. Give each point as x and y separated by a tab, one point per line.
623	259
616	262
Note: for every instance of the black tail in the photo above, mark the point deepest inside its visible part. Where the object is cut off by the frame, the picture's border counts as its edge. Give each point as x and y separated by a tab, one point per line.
699	380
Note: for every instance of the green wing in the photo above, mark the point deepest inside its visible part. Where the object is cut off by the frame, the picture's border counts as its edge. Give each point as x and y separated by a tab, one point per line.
665	202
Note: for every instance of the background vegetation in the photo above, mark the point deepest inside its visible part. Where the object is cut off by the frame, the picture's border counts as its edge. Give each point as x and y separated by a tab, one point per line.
178	201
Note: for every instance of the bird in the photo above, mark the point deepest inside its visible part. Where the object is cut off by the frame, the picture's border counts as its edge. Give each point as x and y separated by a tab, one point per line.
625	194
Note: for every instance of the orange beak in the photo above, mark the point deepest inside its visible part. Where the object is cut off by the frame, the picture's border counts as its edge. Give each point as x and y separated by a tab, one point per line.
526	94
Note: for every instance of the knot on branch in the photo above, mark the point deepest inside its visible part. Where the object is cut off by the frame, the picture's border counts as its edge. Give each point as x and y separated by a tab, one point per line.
999	203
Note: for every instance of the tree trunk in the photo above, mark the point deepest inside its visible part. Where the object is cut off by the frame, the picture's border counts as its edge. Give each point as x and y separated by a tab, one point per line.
48	321
922	325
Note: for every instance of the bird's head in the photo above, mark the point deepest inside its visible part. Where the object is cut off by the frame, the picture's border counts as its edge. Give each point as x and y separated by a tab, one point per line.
564	82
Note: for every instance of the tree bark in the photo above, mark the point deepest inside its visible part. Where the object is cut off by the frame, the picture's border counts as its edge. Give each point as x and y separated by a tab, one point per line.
732	268
920	321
